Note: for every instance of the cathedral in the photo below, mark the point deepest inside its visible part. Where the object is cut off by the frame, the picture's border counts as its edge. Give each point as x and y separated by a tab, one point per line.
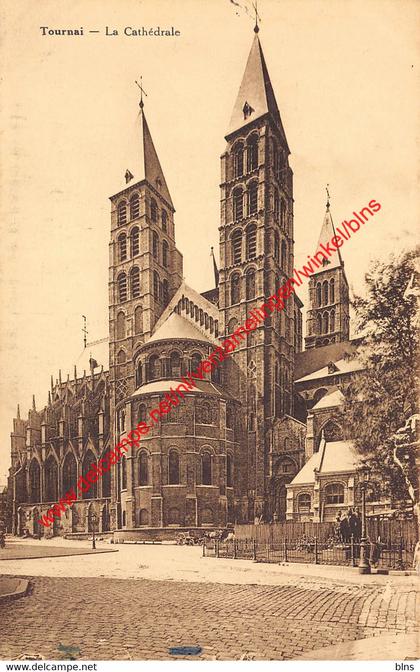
257	439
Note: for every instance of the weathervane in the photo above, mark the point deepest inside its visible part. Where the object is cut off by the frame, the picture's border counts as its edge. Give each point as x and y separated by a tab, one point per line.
257	16
85	331
328	196
141	91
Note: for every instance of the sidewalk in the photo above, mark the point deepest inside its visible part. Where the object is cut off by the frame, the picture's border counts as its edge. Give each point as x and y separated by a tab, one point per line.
186	564
385	647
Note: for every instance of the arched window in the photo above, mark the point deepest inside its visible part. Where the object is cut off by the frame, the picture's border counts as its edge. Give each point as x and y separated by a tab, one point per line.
332	431
231	326
154	367
285	466
143	468
206	475
275	158
250	284
120	325
69	473
332	320
164	221
124	518
195	361
165	292
135	282
51	479
319	394
175	364
122	247
203	414
318	294
139	374
35	481
283	255
334	493
106	483
143	517
156	285
276	205
283	215
325	323
235	288
121	420
238	160
253	198
89	461
153	210
332	291
237	246
134	241
252	153
229	417
134	206
251	241
276	246
122	212
319	324
142	413
173	467
229	470
155	245
138	320
325	292
304	503
165	253
238	204
121	357
122	287
123	473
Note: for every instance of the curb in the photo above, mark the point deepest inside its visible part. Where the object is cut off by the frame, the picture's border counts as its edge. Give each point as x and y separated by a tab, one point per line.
21	590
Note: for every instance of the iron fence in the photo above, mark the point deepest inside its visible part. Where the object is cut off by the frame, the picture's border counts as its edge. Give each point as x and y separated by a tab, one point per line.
383	556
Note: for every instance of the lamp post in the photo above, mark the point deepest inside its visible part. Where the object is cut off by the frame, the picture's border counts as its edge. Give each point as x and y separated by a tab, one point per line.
93	520
363	473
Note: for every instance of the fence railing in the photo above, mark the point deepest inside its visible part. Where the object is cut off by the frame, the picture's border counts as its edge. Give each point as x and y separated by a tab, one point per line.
390	556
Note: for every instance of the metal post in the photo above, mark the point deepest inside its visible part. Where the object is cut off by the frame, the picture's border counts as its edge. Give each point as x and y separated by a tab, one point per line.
364	565
217	548
352	550
254	550
316	551
235	549
285	550
204	548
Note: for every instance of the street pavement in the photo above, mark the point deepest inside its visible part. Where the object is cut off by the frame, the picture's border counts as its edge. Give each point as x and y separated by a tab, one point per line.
138	603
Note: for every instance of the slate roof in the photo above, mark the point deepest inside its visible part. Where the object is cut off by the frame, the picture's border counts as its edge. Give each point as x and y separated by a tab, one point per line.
177	326
328	232
330	400
332	457
341	366
257	91
308	361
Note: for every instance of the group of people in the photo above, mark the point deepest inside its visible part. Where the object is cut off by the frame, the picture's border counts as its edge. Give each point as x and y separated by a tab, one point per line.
349	525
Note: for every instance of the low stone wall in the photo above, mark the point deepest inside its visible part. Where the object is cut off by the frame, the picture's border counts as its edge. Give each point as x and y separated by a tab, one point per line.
156	533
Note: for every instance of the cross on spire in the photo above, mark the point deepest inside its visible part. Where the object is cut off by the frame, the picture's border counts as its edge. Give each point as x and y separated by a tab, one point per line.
141	91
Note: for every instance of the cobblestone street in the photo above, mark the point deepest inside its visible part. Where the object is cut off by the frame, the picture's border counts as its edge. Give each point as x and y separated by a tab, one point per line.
142	619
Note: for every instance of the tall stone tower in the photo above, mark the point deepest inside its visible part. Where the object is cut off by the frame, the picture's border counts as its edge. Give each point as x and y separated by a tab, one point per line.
328	315
145	267
256	257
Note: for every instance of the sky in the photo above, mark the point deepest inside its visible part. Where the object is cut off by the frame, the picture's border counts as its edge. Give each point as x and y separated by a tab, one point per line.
345	79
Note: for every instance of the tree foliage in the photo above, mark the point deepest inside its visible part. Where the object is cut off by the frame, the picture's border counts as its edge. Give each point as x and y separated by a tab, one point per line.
385	394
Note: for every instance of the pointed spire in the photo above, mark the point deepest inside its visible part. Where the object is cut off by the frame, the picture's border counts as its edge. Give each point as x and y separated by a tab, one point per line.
325	236
59	376
49	398
33	403
142	161
215	269
52	384
75	372
18	412
256	96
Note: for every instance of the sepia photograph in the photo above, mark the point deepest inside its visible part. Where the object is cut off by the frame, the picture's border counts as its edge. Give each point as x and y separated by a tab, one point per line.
209	331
